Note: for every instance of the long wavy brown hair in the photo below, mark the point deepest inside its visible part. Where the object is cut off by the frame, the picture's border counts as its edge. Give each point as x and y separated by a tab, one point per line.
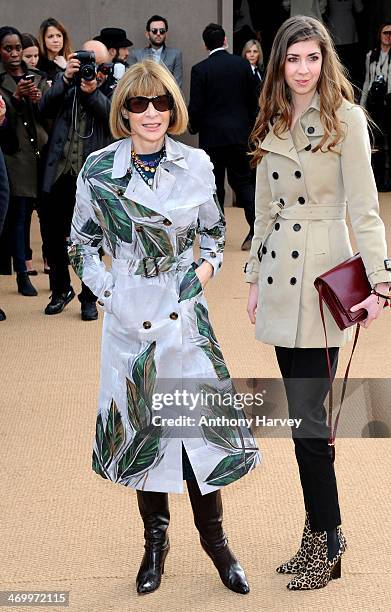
275	100
67	46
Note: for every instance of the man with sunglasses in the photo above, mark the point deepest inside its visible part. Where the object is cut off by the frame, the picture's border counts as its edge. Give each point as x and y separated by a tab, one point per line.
156	34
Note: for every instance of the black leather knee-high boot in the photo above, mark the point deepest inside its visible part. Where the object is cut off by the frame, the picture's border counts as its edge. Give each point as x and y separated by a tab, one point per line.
208	518
155	513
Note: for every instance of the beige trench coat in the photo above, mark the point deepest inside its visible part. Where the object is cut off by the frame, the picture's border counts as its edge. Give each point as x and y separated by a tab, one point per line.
302	199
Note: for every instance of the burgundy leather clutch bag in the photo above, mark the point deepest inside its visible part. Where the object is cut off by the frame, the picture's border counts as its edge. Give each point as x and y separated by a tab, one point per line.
342	287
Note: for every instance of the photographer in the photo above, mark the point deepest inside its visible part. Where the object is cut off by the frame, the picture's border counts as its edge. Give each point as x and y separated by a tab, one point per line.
376	97
79	104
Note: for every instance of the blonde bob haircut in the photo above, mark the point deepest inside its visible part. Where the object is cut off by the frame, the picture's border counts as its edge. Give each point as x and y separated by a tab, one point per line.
147	78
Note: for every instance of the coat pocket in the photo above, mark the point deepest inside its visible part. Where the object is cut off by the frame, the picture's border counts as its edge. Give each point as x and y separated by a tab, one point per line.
190	285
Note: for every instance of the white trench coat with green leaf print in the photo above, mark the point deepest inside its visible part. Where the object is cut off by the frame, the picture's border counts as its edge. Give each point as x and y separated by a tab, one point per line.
156	326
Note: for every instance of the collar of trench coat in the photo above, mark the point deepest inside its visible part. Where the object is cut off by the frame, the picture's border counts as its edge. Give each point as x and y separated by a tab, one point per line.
290	143
137	190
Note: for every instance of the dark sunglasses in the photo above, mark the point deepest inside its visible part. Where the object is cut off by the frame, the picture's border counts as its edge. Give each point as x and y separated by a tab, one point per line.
387	32
139	104
158	31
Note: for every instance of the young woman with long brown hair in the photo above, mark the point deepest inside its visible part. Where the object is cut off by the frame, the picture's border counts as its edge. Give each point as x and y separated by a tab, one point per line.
55	46
312	152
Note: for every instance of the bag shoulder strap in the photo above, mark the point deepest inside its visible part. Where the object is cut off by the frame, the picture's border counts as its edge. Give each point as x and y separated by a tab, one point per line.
333	430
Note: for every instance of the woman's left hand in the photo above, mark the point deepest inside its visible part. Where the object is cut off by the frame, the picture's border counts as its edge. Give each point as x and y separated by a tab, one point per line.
204	273
373	305
60	61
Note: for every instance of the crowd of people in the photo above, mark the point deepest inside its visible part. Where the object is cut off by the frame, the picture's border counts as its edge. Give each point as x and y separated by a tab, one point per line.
54	112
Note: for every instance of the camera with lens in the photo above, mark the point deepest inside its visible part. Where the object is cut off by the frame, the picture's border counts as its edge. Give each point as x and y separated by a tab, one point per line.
87	65
377	93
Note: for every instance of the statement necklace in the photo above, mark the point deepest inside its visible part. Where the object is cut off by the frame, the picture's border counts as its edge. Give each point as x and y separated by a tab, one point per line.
146	164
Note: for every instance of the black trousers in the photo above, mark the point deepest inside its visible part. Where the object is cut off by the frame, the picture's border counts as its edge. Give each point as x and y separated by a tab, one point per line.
234	160
58	208
306	381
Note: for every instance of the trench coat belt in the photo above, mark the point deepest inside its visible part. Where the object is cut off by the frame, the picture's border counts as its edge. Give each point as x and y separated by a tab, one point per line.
301	212
151	266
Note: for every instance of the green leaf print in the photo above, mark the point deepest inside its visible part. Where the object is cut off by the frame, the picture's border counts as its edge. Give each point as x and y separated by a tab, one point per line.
141	454
220	435
97	465
99	165
190	285
155	241
144	373
185	238
115	432
211	348
231	468
102	442
76	258
116	220
92	231
138	210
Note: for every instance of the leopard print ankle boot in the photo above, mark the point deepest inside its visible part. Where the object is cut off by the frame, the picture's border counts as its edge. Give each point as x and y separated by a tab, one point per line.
319	569
298	562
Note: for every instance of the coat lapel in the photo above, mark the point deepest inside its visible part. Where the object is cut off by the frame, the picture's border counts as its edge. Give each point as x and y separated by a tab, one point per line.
282	145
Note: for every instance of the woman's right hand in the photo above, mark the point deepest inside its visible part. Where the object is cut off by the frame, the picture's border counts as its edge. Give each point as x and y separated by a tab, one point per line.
25	89
252	302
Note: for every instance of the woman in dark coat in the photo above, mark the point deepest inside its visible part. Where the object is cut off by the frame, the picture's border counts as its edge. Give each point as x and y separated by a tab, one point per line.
23	150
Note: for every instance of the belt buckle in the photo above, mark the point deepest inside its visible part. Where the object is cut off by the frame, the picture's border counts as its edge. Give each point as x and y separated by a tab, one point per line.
154	272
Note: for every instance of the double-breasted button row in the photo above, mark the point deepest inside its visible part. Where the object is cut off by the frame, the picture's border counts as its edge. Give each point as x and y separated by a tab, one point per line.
297	227
173	316
292	281
301	200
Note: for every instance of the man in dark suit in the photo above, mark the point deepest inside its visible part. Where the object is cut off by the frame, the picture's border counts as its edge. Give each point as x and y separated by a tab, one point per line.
222	110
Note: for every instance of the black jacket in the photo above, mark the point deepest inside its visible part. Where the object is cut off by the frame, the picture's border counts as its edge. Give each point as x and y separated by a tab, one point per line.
57	104
223	103
4	191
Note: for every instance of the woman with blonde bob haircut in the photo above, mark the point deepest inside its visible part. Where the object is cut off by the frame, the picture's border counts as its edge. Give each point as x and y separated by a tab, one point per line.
313	157
144	199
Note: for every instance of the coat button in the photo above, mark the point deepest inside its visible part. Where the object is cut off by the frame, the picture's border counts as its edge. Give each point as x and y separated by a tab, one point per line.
269	280
277	227
310	130
101	303
213	254
301	200
297	227
139	228
298	174
147	325
295	254
264	250
107	293
167	222
120	191
275	175
293	281
273	254
282	201
308	148
174	316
